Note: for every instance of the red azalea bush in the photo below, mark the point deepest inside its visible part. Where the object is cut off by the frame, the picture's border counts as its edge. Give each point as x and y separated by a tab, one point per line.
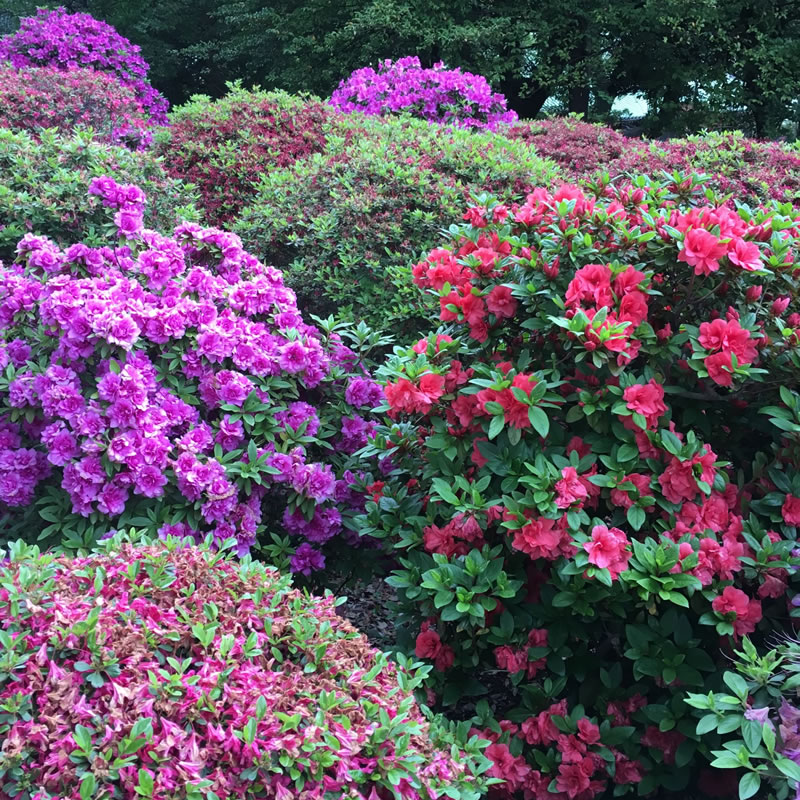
596	476
226	146
34	98
155	672
748	169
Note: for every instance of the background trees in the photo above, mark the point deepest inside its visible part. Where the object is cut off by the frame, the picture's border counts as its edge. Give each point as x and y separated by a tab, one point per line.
706	63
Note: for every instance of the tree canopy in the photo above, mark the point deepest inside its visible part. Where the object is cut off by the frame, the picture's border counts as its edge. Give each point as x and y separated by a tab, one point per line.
707	63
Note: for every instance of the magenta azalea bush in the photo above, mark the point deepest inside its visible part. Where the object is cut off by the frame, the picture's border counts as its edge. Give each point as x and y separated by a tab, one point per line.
436	93
156	672
596	476
170	382
35	98
56	38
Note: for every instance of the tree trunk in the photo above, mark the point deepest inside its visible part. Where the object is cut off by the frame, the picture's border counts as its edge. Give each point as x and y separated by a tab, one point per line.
579	100
527	106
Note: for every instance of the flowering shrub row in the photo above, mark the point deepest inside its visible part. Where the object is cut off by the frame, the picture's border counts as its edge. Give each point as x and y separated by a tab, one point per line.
596	483
170	382
436	94
747	169
347	223
225	147
56	38
33	98
43	182
156	672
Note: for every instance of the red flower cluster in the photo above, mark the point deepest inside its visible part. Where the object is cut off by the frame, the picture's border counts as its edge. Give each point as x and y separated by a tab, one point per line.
429	645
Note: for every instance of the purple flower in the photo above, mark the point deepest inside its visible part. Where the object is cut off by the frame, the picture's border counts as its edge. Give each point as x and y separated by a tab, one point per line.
306	560
760	715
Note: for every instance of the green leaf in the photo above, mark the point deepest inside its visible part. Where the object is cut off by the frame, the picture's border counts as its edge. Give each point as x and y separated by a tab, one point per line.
751	733
736	684
444	491
538	418
636	517
749	785
495	426
706	724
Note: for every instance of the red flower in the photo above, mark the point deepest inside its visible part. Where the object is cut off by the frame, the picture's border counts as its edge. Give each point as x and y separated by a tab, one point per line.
570	489
431	386
791	510
588	731
541	538
731	601
572	779
728	336
444	658
720	368
428	644
592	285
626	498
678	482
501	303
647	400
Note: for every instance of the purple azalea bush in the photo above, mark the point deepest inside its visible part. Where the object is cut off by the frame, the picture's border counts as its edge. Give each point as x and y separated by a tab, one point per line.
437	94
753	728
170	383
56	38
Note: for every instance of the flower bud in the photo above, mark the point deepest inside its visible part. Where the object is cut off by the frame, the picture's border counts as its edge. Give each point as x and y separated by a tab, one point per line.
754	293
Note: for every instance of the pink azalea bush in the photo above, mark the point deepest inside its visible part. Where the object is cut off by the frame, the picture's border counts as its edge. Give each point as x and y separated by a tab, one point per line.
56	38
596	476
171	382
34	98
747	169
436	94
155	672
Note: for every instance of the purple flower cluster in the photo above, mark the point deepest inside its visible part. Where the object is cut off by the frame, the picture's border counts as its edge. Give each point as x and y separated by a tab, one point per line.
437	94
54	37
139	364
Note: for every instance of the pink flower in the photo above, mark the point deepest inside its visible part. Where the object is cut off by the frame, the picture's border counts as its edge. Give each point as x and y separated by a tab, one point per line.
744	254
791	510
608	549
647	400
702	250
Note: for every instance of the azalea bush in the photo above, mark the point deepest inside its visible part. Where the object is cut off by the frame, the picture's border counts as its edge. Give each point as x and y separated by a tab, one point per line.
436	94
757	714
43	181
153	672
169	382
225	146
346	224
596	476
746	169
56	38
35	98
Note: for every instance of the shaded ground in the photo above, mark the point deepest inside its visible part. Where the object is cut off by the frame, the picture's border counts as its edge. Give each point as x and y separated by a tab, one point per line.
369	608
